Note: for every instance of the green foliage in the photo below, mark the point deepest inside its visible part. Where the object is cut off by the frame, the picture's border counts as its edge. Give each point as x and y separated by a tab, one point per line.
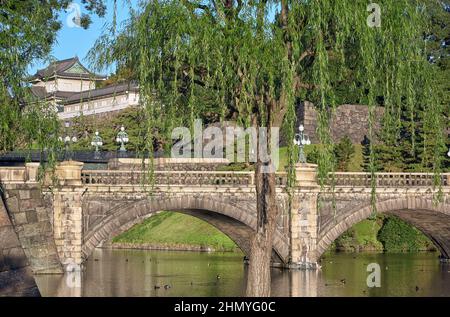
398	236
412	136
171	228
313	155
438	32
362	236
343	152
383	233
387	158
108	126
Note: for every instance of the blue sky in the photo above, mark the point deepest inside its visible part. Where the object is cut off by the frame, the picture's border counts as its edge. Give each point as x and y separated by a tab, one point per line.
76	41
73	41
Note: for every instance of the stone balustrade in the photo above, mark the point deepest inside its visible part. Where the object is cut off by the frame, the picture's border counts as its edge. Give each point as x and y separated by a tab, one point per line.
194	178
388	179
222	178
232	178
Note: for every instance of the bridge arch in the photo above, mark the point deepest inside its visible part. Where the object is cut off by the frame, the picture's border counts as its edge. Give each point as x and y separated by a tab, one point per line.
237	222
431	219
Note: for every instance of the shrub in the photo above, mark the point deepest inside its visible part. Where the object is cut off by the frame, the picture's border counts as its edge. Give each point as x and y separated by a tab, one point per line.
398	236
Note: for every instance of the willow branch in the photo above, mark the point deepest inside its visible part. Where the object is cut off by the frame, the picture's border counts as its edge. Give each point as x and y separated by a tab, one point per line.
299	84
218	10
305	54
200	6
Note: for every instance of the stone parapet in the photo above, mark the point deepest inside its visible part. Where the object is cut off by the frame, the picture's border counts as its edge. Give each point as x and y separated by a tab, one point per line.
13	175
306	175
69	173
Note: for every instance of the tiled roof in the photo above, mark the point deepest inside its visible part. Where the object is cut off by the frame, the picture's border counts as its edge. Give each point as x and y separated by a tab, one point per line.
101	92
62	69
41	93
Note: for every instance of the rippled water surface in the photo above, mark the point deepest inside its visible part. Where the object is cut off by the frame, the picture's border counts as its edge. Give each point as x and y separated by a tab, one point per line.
166	273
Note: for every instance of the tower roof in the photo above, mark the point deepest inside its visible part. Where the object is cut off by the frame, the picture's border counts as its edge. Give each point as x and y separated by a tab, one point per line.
67	68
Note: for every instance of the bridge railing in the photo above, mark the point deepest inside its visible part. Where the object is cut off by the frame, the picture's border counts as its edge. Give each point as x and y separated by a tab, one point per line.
107	177
230	178
388	179
234	178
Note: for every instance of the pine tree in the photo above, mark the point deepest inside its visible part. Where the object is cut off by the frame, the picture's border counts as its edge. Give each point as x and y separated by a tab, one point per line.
343	152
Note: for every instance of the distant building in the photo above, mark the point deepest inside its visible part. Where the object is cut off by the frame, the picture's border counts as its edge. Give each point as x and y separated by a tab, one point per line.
73	90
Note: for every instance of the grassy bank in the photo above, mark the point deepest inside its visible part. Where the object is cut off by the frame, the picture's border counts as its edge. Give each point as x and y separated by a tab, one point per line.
176	230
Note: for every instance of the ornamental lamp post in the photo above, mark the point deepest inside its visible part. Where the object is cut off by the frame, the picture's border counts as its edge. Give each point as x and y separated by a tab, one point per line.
301	139
97	141
68	140
122	139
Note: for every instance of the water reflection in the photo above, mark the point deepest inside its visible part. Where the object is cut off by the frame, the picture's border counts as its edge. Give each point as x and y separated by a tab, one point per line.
162	273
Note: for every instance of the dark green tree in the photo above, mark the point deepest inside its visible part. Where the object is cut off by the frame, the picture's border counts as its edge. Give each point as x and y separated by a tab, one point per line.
398	236
132	119
407	141
343	152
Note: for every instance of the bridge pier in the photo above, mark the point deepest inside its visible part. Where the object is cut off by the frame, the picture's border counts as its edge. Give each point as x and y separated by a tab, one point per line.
303	219
68	215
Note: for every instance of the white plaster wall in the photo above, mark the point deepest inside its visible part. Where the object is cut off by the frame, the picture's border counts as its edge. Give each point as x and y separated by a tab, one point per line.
97	106
61	84
74	85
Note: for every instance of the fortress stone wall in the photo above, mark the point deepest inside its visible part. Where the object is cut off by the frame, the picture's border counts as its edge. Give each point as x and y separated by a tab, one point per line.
351	120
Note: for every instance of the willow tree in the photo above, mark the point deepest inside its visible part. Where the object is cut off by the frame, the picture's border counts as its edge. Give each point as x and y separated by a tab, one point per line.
253	60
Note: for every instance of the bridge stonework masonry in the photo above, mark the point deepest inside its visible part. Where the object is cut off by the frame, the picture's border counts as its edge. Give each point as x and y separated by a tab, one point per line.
59	226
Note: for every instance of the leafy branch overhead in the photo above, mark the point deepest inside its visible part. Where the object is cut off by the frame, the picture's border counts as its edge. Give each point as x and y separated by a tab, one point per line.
253	61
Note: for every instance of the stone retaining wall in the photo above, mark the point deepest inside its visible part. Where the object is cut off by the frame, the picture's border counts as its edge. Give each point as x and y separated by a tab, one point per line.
16	276
29	213
350	120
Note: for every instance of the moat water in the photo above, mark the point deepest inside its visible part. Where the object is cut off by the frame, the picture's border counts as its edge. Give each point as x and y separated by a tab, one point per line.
177	273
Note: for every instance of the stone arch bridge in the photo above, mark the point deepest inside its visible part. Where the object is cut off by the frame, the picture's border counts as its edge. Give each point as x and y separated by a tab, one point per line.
59	226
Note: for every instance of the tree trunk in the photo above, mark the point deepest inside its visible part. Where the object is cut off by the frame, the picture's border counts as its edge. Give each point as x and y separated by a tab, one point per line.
258	281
